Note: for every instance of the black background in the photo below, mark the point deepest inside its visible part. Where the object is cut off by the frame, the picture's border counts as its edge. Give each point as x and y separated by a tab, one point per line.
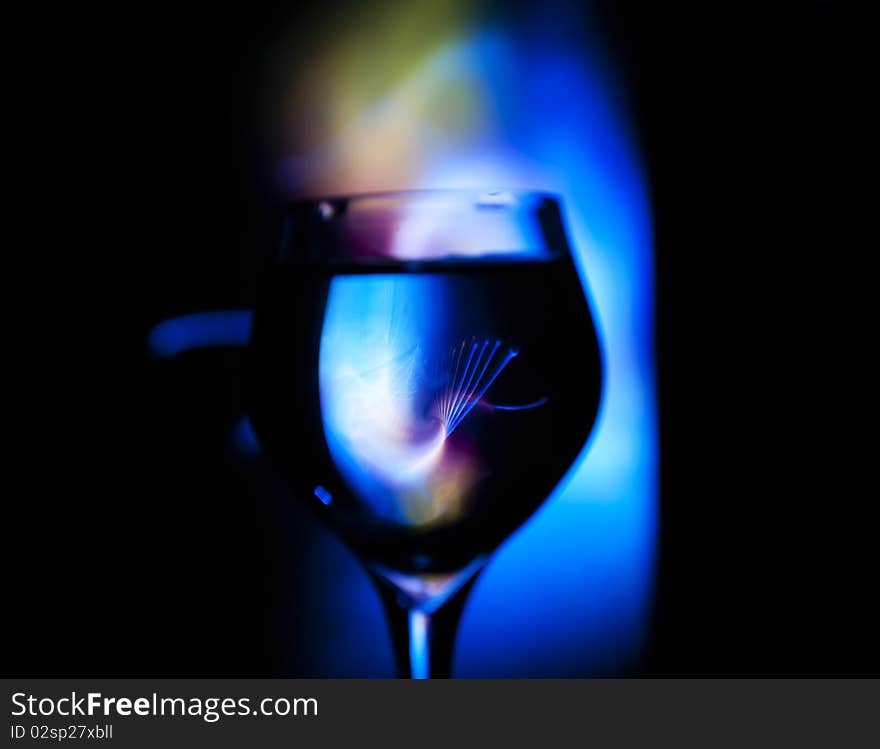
132	554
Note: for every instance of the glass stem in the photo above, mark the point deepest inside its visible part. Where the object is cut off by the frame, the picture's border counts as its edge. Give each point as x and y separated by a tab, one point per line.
423	636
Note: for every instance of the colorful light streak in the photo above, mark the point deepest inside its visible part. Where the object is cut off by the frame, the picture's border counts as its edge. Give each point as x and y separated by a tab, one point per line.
388	416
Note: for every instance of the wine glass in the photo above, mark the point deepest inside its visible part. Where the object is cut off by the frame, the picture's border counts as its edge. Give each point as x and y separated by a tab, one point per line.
423	370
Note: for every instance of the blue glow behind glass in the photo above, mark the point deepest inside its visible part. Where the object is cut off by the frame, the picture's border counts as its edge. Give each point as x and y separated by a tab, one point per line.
570	592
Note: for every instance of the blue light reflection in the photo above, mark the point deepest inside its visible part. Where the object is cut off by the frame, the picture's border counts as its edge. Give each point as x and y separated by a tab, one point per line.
200	330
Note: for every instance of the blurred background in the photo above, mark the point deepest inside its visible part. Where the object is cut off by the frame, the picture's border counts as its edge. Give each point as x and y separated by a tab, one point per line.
703	532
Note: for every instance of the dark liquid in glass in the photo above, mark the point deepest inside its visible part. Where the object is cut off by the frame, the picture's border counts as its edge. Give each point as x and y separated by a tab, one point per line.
424	410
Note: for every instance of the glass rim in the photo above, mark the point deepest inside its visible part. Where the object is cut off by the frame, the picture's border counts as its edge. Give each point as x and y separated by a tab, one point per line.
424	226
492	196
